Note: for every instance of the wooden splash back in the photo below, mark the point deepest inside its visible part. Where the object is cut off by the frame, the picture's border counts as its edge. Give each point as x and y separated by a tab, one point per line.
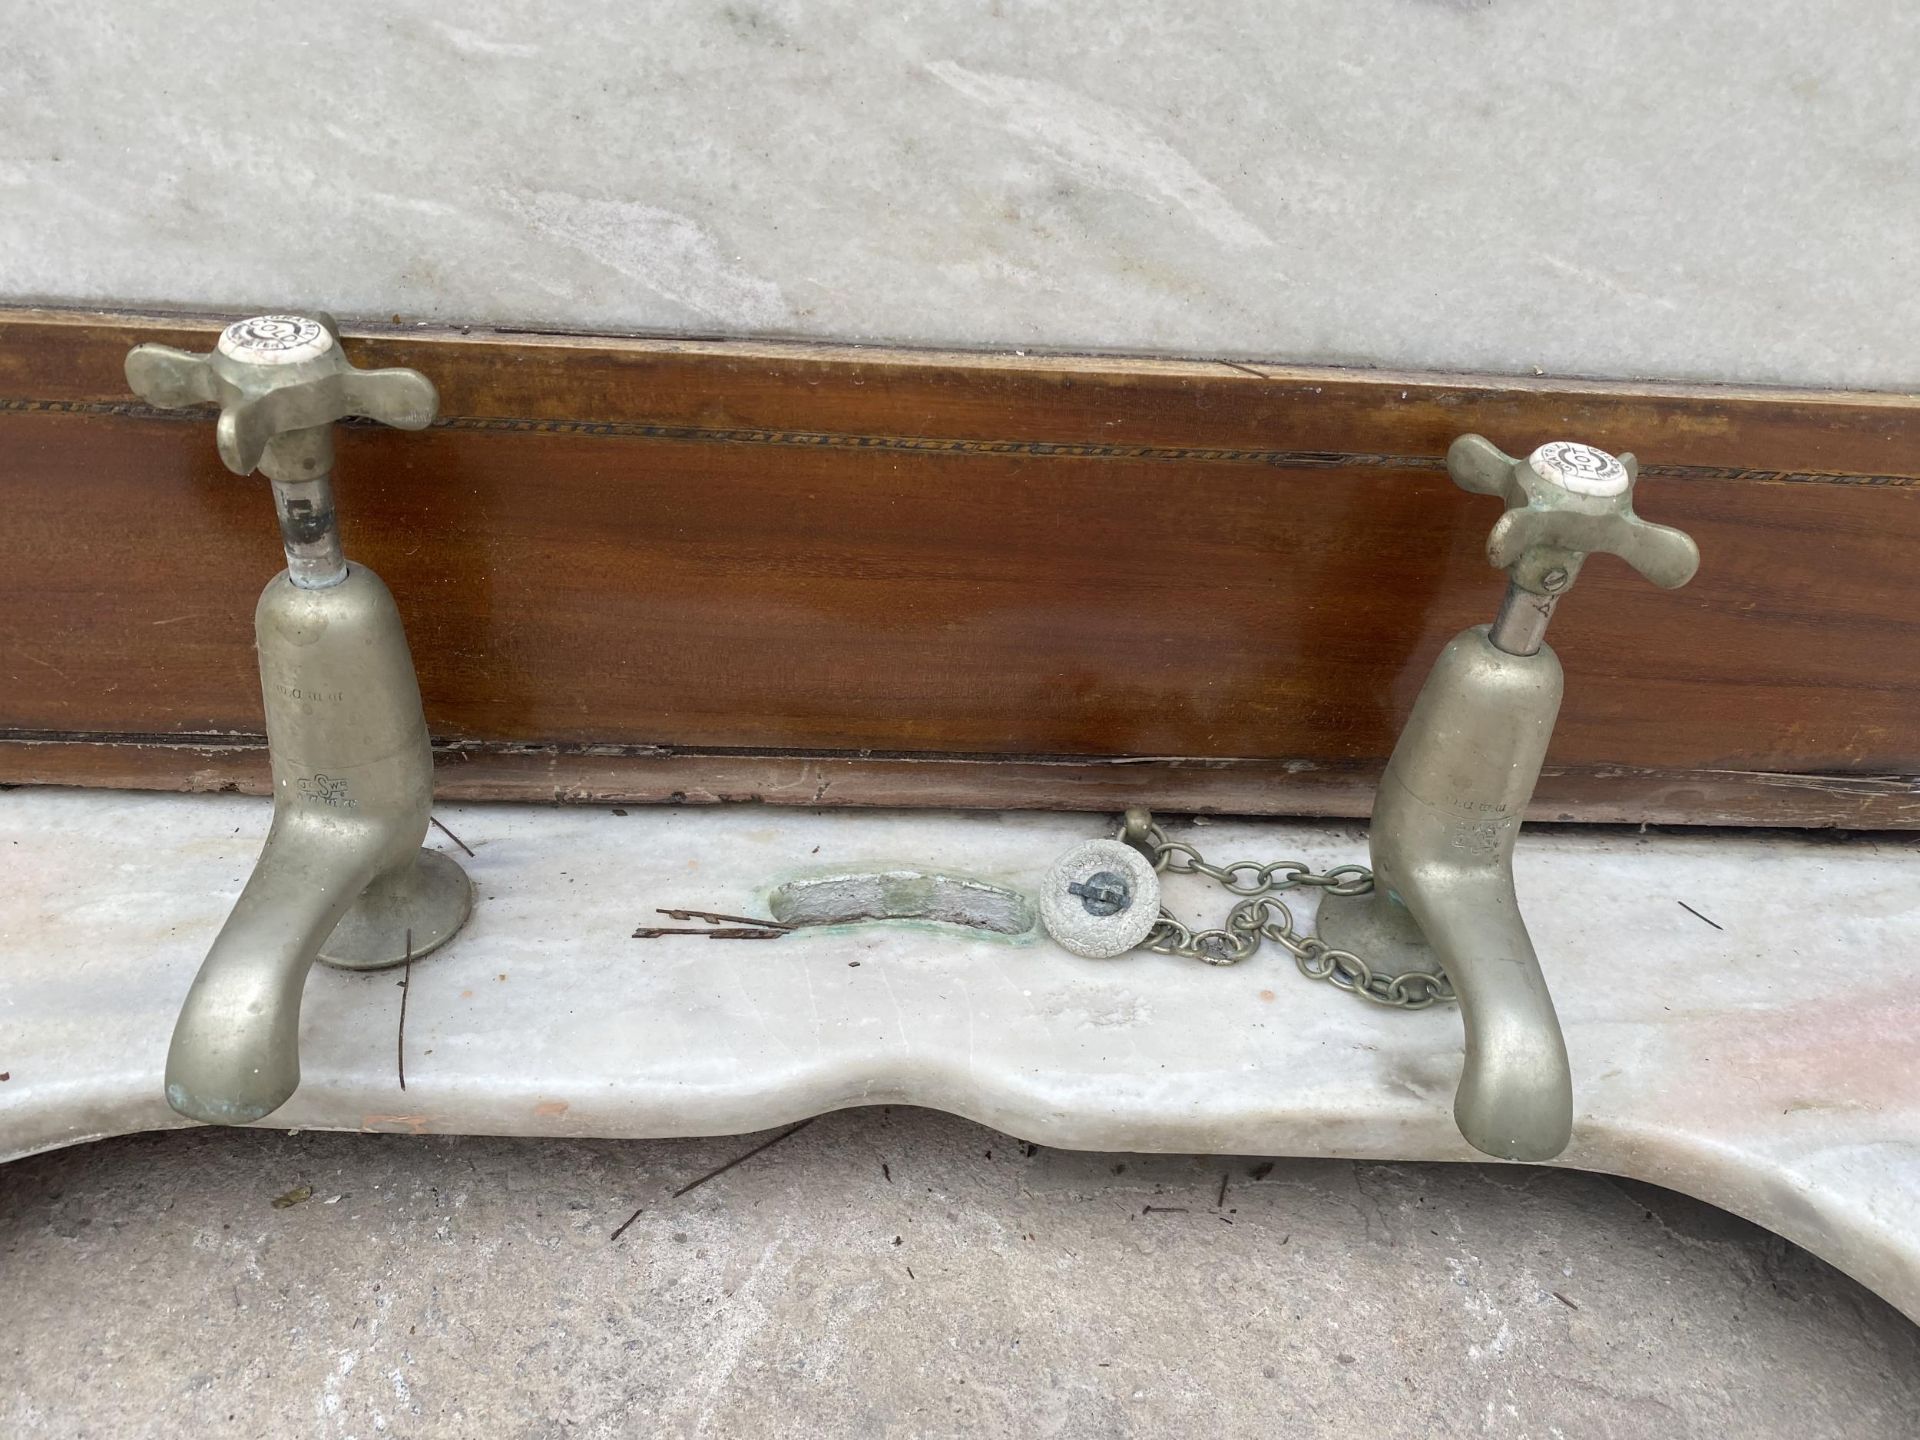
653	570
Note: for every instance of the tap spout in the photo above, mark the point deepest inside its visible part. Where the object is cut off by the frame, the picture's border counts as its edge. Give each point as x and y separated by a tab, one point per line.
341	877
1445	821
1515	1096
235	1055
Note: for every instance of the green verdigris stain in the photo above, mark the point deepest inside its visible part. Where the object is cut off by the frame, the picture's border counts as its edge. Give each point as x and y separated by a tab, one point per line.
841	897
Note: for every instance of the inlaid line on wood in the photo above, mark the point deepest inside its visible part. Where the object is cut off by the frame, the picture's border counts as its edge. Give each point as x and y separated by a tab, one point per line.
938	445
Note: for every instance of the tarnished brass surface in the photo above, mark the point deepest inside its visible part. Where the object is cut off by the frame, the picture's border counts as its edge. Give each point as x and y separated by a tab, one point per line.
1444	824
342	876
1462	773
353	786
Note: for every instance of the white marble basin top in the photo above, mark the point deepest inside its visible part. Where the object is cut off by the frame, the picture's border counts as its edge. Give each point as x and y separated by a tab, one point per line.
1765	1062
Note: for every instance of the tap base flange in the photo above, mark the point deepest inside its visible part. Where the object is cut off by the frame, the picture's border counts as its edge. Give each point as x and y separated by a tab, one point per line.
1379	929
402	916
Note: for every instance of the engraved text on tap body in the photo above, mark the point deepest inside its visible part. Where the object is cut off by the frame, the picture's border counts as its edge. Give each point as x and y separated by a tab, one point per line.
1479	827
275	340
327	790
308	695
1483	837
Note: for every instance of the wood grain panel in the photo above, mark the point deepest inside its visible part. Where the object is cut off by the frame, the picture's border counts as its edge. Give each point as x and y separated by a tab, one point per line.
641	569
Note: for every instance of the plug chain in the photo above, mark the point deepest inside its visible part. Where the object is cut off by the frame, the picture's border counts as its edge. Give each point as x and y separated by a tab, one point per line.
1261	915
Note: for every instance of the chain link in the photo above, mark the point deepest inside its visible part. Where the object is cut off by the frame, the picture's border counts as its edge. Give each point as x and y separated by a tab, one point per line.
1261	915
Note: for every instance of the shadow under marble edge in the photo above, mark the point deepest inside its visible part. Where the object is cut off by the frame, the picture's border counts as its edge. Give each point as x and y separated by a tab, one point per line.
897	1272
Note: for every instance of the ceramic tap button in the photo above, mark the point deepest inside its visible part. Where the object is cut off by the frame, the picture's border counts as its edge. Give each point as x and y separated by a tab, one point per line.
1583	469
1100	899
275	340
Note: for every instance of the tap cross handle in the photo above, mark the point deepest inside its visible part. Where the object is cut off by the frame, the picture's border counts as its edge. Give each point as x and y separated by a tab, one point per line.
280	381
1565	501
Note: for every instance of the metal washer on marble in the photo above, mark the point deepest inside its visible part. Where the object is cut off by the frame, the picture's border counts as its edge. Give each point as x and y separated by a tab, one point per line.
1100	899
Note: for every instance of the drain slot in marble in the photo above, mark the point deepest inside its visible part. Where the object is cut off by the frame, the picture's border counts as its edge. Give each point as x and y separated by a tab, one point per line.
853	897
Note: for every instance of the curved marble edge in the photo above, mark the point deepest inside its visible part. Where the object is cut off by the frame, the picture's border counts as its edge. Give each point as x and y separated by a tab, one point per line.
1854	1231
1764	1067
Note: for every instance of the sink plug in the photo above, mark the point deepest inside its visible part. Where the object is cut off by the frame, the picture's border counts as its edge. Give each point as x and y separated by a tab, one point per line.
1100	899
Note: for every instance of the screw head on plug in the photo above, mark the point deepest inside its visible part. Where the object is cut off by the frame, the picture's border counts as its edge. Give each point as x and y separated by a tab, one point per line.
1103	894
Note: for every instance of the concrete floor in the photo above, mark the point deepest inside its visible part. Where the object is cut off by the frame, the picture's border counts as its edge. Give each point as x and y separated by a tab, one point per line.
893	1272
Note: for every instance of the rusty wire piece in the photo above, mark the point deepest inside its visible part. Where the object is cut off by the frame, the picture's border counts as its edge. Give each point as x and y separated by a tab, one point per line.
715	926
